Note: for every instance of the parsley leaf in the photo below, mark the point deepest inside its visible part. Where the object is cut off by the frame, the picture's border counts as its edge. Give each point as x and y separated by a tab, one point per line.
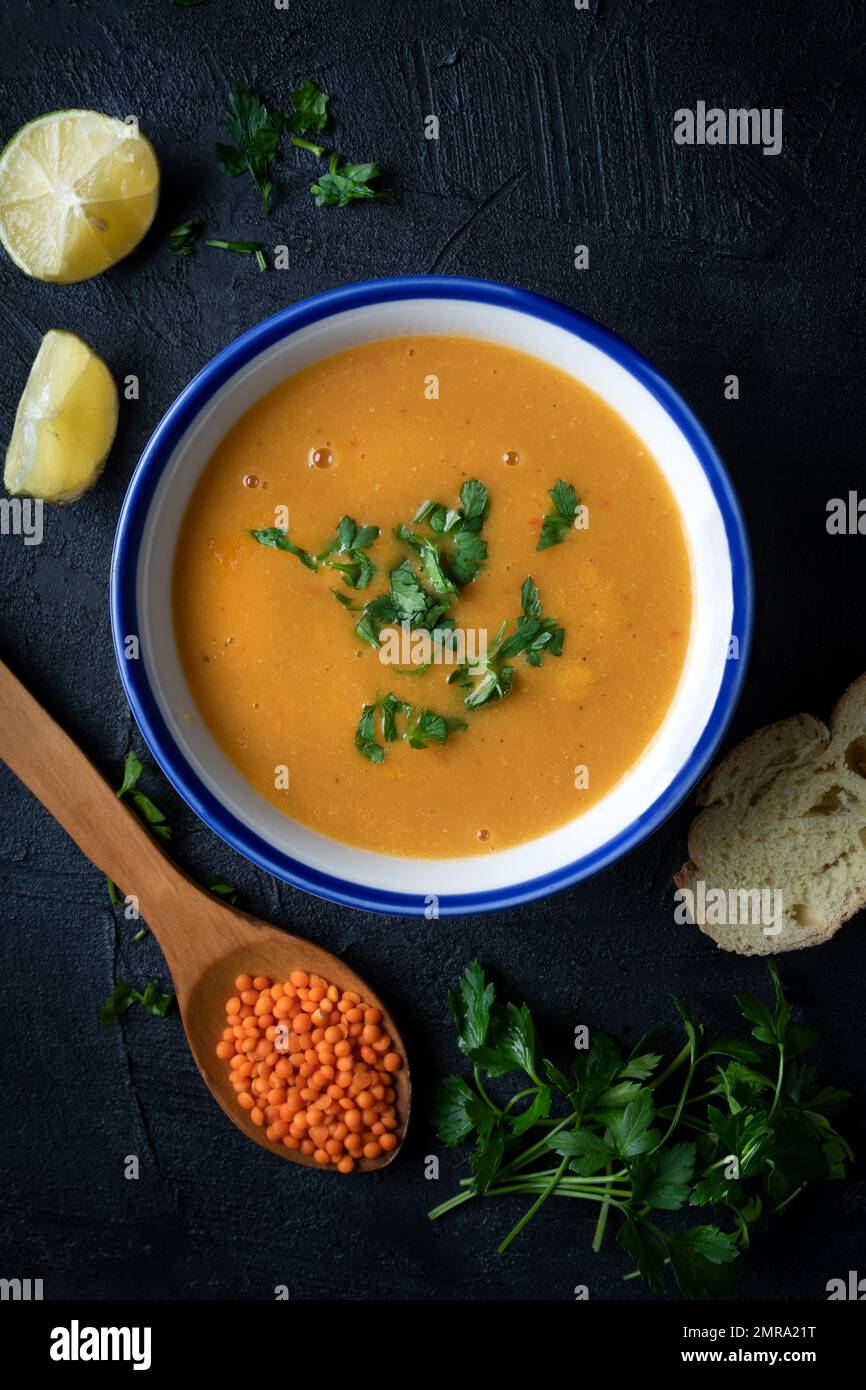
310	111
450	1110
557	524
351	541
278	538
226	891
123	996
406	603
630	1131
534	636
661	1179
181	241
133	768
428	727
422	727
365	735
256	137
462	524
344	183
699	1260
588	1151
470	1004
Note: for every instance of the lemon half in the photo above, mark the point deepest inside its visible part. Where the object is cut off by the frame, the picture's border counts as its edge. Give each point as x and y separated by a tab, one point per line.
65	422
78	191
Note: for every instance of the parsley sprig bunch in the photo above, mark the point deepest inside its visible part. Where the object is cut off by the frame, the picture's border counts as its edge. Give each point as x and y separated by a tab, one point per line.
739	1125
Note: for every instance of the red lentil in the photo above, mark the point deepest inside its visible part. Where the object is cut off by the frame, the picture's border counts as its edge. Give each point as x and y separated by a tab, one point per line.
313	1065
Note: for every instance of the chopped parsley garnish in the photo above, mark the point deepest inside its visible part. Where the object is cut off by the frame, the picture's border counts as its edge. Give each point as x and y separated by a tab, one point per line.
218	886
734	1124
278	538
351	541
346	602
123	996
344	183
420	727
462	525
246	248
431	559
256	135
133	767
492	683
157	824
184	237
450	558
429	727
310	110
407	602
557	524
534	637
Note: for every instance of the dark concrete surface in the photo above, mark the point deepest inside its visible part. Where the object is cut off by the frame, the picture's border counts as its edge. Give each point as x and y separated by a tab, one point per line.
556	129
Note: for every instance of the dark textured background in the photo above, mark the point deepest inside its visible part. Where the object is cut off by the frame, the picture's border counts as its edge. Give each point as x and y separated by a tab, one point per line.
556	129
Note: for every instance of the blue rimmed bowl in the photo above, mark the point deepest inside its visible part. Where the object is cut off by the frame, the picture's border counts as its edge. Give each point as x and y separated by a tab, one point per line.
141	606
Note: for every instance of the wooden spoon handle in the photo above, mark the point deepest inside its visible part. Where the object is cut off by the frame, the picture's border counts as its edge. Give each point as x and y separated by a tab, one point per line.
69	786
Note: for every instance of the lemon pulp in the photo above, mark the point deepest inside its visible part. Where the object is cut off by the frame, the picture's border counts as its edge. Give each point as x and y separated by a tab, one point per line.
78	191
65	422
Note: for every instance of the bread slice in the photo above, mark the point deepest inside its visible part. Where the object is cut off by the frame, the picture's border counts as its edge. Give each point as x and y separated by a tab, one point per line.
786	813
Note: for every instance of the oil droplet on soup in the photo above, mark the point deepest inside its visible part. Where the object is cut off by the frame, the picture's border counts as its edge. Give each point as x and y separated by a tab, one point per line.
620	590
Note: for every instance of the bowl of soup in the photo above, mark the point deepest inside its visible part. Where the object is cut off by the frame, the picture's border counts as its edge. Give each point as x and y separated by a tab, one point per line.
431	596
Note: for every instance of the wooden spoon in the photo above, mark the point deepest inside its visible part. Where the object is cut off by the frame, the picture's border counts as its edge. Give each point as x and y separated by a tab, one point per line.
206	943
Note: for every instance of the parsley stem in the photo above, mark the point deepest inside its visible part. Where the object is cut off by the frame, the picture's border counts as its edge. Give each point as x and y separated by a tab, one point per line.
301	144
483	1094
675	1118
530	1091
246	248
598	1235
540	1199
791	1195
620	1200
669	1071
598	1179
450	1204
666	1110
778	1090
534	1150
566	1187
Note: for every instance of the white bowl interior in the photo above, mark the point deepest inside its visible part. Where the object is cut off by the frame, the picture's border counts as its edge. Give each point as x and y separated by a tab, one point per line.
712	592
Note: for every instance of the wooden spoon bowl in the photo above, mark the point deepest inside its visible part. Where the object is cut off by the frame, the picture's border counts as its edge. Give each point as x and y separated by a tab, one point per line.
206	942
276	954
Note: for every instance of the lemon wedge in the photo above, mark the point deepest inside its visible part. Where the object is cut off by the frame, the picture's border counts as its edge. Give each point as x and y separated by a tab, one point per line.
78	191
65	422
